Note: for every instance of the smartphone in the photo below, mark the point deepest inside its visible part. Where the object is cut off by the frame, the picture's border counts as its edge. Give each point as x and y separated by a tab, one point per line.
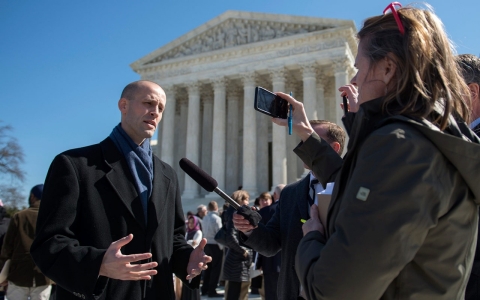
345	105
270	104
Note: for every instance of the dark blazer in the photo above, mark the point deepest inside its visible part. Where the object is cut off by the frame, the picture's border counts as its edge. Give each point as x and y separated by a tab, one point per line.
269	264
90	201
284	232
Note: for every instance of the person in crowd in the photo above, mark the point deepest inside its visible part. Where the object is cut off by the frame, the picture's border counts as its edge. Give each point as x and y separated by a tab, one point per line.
403	215
265	199
212	223
25	281
270	266
284	229
111	224
277	192
238	258
201	211
256	204
193	237
470	67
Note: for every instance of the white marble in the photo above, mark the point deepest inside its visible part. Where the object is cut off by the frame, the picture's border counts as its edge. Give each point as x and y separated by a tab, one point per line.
279	138
232	54
193	137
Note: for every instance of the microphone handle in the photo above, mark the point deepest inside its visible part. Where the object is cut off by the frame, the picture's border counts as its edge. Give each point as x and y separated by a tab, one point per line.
227	198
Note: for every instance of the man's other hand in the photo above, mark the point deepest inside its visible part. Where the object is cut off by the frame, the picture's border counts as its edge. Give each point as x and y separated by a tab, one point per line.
198	260
118	266
314	222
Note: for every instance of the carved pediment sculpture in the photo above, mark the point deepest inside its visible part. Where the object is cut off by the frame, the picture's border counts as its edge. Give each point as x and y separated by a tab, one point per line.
236	32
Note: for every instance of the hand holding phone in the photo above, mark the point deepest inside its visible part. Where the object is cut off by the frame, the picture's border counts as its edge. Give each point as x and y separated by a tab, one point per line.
270	104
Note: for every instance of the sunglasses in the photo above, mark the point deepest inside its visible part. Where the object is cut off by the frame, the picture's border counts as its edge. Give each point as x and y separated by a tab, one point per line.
391	8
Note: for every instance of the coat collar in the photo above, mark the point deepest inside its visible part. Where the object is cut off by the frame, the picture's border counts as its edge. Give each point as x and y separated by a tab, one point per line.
121	181
302	188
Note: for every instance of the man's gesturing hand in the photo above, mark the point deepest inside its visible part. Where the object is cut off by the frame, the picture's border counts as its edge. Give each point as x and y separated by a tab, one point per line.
117	266
198	260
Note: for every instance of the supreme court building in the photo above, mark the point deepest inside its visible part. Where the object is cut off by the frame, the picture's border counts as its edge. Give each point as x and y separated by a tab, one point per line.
209	76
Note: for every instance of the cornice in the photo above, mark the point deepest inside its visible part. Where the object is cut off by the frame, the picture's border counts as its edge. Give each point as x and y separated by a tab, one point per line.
289	46
220	23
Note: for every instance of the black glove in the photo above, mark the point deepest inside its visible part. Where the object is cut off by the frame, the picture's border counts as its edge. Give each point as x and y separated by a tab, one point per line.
251	215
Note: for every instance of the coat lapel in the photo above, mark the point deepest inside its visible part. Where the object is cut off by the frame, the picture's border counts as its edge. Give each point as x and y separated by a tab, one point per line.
159	198
121	180
302	201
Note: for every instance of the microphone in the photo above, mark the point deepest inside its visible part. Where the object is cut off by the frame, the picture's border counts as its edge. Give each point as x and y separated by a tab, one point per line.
208	183
204	180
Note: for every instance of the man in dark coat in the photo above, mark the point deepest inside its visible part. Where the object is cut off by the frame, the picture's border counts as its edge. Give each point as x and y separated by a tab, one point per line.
470	66
284	230
111	224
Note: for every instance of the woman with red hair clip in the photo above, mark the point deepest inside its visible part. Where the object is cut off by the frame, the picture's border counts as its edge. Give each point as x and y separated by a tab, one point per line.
403	215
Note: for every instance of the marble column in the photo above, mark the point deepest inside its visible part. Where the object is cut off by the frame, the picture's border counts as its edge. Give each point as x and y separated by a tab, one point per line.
263	170
193	137
292	158
249	180
232	146
180	140
279	138
340	68
168	127
321	97
310	90
219	133
206	142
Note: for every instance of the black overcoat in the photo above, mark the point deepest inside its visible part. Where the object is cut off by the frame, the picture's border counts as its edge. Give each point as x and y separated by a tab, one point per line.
90	201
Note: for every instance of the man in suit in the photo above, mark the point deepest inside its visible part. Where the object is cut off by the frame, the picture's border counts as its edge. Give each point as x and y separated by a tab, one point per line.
470	66
111	223
270	266
284	230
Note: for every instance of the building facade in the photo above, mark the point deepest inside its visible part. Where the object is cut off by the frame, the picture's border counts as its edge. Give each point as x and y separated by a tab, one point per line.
209	76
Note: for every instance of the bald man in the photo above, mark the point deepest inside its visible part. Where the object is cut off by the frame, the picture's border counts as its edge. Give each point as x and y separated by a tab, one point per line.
111	223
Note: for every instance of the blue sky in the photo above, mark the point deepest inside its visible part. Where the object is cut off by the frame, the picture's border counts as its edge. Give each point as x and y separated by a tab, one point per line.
63	63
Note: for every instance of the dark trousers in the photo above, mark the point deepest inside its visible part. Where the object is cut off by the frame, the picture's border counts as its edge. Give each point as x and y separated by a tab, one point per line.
212	273
270	280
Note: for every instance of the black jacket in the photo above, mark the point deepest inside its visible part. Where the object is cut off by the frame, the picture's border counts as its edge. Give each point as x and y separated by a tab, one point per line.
403	215
90	201
284	232
236	266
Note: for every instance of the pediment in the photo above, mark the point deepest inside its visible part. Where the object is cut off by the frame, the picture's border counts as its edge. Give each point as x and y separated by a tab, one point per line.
234	29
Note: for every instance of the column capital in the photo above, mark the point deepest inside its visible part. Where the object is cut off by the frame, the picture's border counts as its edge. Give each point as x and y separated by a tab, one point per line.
170	90
219	83
277	74
341	65
309	69
193	87
248	79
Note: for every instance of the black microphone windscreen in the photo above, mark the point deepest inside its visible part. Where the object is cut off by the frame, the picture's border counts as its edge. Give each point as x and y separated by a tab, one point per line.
200	176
